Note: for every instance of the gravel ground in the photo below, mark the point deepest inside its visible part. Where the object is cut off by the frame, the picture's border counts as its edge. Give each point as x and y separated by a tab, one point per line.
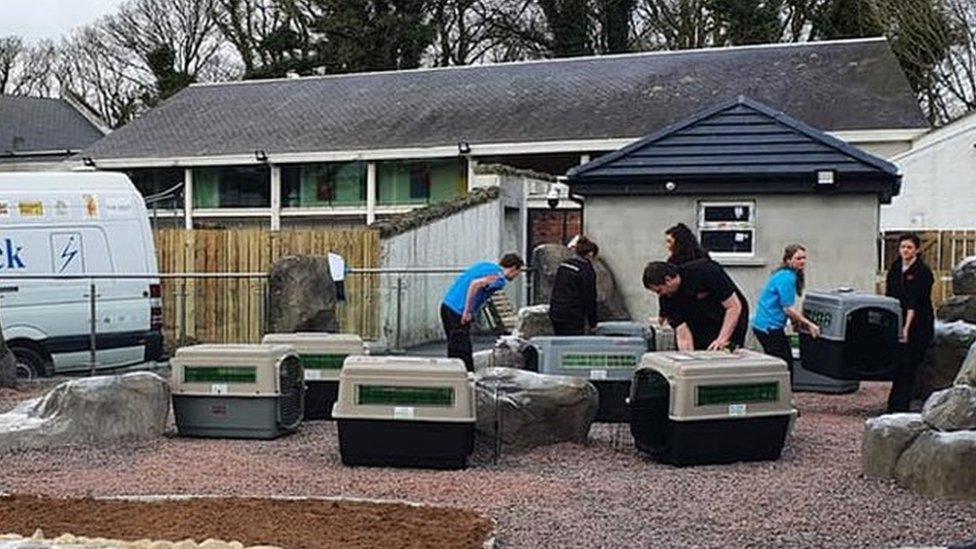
603	494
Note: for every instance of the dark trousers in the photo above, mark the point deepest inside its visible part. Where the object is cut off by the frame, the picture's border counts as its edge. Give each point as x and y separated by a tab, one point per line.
775	343
903	385
458	337
568	327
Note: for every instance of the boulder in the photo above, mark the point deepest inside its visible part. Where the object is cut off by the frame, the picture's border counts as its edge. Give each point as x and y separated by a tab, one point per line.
940	465
95	410
967	372
8	365
301	296
533	409
960	307
964	277
533	321
884	440
941	365
507	353
952	409
545	261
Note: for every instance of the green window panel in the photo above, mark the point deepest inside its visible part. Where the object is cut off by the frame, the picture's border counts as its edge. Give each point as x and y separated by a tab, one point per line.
423	182
390	395
323	362
226	374
206	189
323	185
738	394
599	360
232	187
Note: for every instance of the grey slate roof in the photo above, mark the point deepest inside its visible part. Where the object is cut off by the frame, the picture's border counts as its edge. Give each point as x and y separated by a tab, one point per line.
30	124
739	146
847	85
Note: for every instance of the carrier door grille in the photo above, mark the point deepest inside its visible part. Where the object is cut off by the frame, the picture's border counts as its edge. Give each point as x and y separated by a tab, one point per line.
291	382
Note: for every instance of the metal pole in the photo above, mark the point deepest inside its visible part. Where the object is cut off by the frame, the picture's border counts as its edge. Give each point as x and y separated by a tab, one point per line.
94	326
182	303
399	297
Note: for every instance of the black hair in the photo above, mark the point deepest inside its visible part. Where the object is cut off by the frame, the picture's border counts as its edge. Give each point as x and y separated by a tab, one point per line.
511	260
656	272
686	245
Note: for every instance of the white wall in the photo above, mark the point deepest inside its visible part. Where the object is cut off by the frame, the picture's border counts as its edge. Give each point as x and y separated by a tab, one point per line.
839	231
939	181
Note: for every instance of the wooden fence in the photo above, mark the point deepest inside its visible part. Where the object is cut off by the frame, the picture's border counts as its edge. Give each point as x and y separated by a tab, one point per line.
942	251
233	310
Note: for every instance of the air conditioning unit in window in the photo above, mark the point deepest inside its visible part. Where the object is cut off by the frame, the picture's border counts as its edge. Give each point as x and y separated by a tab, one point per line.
237	391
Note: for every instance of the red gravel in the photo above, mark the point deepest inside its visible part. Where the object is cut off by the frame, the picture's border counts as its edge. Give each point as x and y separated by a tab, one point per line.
599	495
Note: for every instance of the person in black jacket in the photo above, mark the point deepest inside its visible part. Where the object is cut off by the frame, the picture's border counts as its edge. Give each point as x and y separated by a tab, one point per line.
572	304
910	281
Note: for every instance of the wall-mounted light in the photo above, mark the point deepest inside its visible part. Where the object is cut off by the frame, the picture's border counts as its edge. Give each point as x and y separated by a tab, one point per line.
464	147
88	161
552	197
826	177
261	156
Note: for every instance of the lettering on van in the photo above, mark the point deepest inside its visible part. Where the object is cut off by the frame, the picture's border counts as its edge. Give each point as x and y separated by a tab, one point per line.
10	255
31	209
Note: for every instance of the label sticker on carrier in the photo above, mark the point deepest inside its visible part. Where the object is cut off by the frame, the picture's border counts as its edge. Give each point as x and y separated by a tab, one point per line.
218	389
737	409
598	374
403	412
313	375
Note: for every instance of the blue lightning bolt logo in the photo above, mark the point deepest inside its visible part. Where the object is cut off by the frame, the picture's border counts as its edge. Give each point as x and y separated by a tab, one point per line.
68	253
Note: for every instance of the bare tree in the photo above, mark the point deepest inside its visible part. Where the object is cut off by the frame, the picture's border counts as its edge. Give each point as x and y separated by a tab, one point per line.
11	48
271	37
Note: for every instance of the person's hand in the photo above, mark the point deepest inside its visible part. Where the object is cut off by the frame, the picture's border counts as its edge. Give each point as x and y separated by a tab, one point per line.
903	336
814	330
718	345
466	318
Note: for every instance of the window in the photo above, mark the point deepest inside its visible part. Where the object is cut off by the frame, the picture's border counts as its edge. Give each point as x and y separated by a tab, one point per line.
323	185
420	182
727	228
232	187
156	181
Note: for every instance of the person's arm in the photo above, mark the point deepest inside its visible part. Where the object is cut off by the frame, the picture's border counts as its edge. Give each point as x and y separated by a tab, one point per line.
589	296
799	320
684	338
786	292
473	289
733	308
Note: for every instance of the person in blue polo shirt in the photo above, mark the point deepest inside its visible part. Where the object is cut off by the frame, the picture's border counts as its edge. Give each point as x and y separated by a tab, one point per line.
777	304
467	295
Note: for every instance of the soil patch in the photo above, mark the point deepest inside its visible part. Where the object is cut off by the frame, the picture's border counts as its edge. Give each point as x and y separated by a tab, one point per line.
252	521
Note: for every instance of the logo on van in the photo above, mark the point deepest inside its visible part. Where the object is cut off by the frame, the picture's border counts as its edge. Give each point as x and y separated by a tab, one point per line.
68	253
11	256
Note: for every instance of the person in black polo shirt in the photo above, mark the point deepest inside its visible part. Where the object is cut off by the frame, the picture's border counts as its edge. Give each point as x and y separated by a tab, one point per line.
910	281
706	310
572	304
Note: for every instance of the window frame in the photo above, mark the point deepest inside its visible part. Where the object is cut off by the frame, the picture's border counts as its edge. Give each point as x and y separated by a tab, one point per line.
748	225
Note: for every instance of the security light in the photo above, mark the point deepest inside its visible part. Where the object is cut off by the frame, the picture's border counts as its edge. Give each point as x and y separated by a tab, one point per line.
826	177
261	156
89	161
552	197
464	147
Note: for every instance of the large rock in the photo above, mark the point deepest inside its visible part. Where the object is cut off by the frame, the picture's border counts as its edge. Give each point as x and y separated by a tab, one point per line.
952	409
507	353
967	372
533	409
964	277
545	261
944	359
884	440
960	307
302	296
8	365
940	465
533	321
95	410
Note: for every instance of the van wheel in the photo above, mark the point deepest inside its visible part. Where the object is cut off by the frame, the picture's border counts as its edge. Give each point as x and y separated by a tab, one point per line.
30	363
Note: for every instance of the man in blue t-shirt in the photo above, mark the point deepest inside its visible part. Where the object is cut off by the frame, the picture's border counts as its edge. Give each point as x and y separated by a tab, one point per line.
467	295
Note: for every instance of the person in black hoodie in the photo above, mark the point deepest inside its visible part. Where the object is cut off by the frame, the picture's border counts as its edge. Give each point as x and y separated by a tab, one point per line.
572	304
910	281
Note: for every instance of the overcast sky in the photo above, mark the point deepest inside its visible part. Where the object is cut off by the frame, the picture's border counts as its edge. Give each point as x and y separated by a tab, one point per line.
37	19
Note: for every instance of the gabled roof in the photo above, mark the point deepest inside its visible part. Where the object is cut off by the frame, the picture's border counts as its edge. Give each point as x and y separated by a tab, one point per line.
738	146
33	127
844	85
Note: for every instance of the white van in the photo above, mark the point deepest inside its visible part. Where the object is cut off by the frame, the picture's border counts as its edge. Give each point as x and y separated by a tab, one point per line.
75	224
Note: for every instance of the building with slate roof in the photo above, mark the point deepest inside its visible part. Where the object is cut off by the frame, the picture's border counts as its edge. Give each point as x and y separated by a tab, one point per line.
749	180
349	148
42	134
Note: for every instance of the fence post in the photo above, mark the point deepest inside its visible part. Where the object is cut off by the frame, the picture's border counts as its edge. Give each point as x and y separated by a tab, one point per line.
182	312
92	338
399	297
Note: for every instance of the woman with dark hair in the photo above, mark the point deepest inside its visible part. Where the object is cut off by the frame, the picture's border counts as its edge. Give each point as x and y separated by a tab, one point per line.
572	304
682	245
910	281
777	303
